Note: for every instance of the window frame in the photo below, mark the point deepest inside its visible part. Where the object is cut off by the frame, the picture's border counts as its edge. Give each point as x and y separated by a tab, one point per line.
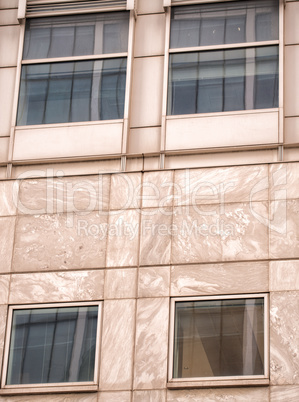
83	386
198	382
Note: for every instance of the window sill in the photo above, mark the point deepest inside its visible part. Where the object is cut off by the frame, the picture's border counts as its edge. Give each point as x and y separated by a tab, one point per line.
181	384
70	124
215	114
48	389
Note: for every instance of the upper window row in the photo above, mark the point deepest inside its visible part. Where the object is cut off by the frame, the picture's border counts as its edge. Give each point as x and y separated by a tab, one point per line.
223	57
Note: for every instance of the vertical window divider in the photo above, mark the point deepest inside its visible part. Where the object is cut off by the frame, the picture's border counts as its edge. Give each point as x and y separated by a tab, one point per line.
281	85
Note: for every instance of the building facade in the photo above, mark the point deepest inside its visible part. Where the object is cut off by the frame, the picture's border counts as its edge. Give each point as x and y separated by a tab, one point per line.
149	197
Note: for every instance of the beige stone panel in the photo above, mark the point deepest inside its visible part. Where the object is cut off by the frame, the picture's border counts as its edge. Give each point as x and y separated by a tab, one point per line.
123	238
51	242
124	396
154	282
291	154
150	396
284	275
67	141
4	144
146	100
291	23
68	194
125	191
120	283
155	243
9	3
3	173
4	288
9	190
117	345
284	181
291	80
144	140
284	328
150	35
284	230
291	130
50	287
157	189
222	130
243	228
7	83
210	279
151	343
260	394
7	232
79	397
149	7
287	393
9	17
9	45
221	185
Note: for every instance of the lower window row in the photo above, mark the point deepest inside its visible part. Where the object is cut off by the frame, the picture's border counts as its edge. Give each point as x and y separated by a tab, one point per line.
223	337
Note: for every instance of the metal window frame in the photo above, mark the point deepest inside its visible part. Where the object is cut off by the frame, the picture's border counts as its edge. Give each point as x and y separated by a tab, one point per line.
50	387
213	381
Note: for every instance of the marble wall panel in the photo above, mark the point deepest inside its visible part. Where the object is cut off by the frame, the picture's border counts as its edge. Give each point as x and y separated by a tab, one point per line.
287	393
125	191
149	396
62	241
221	185
284	231
155	244
123	238
154	282
284	275
67	194
4	288
48	287
150	370
260	394
84	397
117	345
7	231
8	197
210	279
124	396
284	329
120	283
284	180
157	189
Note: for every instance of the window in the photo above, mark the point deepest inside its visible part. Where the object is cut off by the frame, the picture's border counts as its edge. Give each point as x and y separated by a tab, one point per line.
74	68
223	57
219	338
53	345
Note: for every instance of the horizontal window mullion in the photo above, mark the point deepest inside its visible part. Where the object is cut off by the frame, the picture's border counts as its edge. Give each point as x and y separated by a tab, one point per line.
75	58
223	47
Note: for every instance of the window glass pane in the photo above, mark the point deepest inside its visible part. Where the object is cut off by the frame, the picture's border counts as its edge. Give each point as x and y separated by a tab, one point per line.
76	35
52	345
72	91
224	23
219	338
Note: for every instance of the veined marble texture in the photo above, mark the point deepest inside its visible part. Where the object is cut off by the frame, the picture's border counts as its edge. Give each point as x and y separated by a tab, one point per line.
117	345
125	191
288	393
228	278
120	283
47	287
150	370
157	189
259	394
84	397
123	238
8	197
221	185
284	346
149	396
155	243
4	288
154	282
284	275
284	233
284	180
66	194
124	396
7	231
50	242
